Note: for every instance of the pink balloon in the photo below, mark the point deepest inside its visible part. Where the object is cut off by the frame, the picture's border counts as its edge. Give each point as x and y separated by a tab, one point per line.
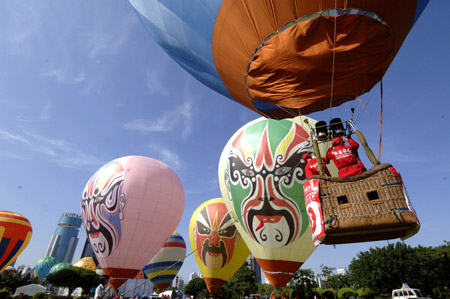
130	207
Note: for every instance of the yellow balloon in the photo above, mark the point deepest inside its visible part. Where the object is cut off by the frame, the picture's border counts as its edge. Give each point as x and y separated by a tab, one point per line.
218	248
86	263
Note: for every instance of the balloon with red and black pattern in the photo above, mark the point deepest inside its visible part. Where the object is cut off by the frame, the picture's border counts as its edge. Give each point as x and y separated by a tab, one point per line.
15	234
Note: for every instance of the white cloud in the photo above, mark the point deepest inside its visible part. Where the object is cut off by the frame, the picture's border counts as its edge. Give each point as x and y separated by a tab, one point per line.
180	117
103	40
64	75
58	151
155	84
168	157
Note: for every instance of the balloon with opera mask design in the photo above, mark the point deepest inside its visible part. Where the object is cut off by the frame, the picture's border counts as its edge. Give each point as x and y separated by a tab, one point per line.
15	234
218	248
261	174
130	207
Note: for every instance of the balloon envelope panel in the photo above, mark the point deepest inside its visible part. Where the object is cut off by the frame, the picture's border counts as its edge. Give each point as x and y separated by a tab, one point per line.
164	266
218	248
270	53
261	177
44	265
15	234
86	263
130	207
59	266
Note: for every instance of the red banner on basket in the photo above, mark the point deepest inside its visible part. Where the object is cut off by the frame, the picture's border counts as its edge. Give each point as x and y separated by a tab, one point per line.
314	209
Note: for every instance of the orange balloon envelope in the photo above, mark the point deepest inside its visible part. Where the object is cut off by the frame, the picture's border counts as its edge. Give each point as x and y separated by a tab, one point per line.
130	207
15	234
86	263
279	57
218	248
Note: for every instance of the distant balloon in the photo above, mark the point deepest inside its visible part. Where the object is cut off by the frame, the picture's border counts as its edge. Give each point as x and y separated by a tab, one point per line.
130	207
164	266
15	234
86	263
218	248
261	176
59	266
10	269
44	265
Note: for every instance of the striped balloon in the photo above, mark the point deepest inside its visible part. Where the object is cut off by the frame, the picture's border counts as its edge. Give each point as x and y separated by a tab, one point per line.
164	266
15	234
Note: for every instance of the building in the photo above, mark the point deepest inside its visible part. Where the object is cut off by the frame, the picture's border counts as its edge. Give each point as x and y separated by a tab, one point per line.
89	252
64	241
341	271
253	264
194	275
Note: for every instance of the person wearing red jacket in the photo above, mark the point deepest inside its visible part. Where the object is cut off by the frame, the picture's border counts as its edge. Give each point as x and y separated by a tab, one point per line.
311	167
345	157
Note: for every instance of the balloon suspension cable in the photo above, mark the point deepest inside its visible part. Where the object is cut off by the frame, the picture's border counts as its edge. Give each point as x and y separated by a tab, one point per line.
381	120
334	60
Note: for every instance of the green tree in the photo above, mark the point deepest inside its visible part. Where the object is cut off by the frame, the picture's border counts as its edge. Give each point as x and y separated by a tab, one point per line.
304	283
39	295
386	268
74	277
329	293
265	289
243	282
195	286
347	293
366	293
12	281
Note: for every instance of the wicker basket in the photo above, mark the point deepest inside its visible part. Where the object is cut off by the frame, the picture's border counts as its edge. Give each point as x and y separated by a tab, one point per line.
368	207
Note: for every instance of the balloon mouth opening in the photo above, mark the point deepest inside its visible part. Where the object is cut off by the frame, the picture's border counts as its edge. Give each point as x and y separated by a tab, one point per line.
293	66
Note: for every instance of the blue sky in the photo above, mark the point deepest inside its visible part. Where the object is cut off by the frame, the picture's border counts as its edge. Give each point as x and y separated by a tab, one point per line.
83	83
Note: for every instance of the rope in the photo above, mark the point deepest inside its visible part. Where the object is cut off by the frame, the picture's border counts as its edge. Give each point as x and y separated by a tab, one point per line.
381	120
334	59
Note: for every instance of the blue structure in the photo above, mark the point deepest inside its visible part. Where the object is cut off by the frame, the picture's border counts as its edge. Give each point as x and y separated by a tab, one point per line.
64	241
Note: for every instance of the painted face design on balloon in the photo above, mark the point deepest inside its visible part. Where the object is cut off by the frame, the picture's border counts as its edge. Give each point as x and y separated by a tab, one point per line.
264	178
215	235
102	208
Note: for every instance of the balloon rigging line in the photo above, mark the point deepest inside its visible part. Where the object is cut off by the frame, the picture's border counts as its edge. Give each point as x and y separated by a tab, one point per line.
334	59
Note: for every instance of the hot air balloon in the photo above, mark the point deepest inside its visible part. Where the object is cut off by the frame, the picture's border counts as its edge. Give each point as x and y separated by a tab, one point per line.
15	234
86	263
59	266
281	57
164	266
261	176
130	207
218	248
44	265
